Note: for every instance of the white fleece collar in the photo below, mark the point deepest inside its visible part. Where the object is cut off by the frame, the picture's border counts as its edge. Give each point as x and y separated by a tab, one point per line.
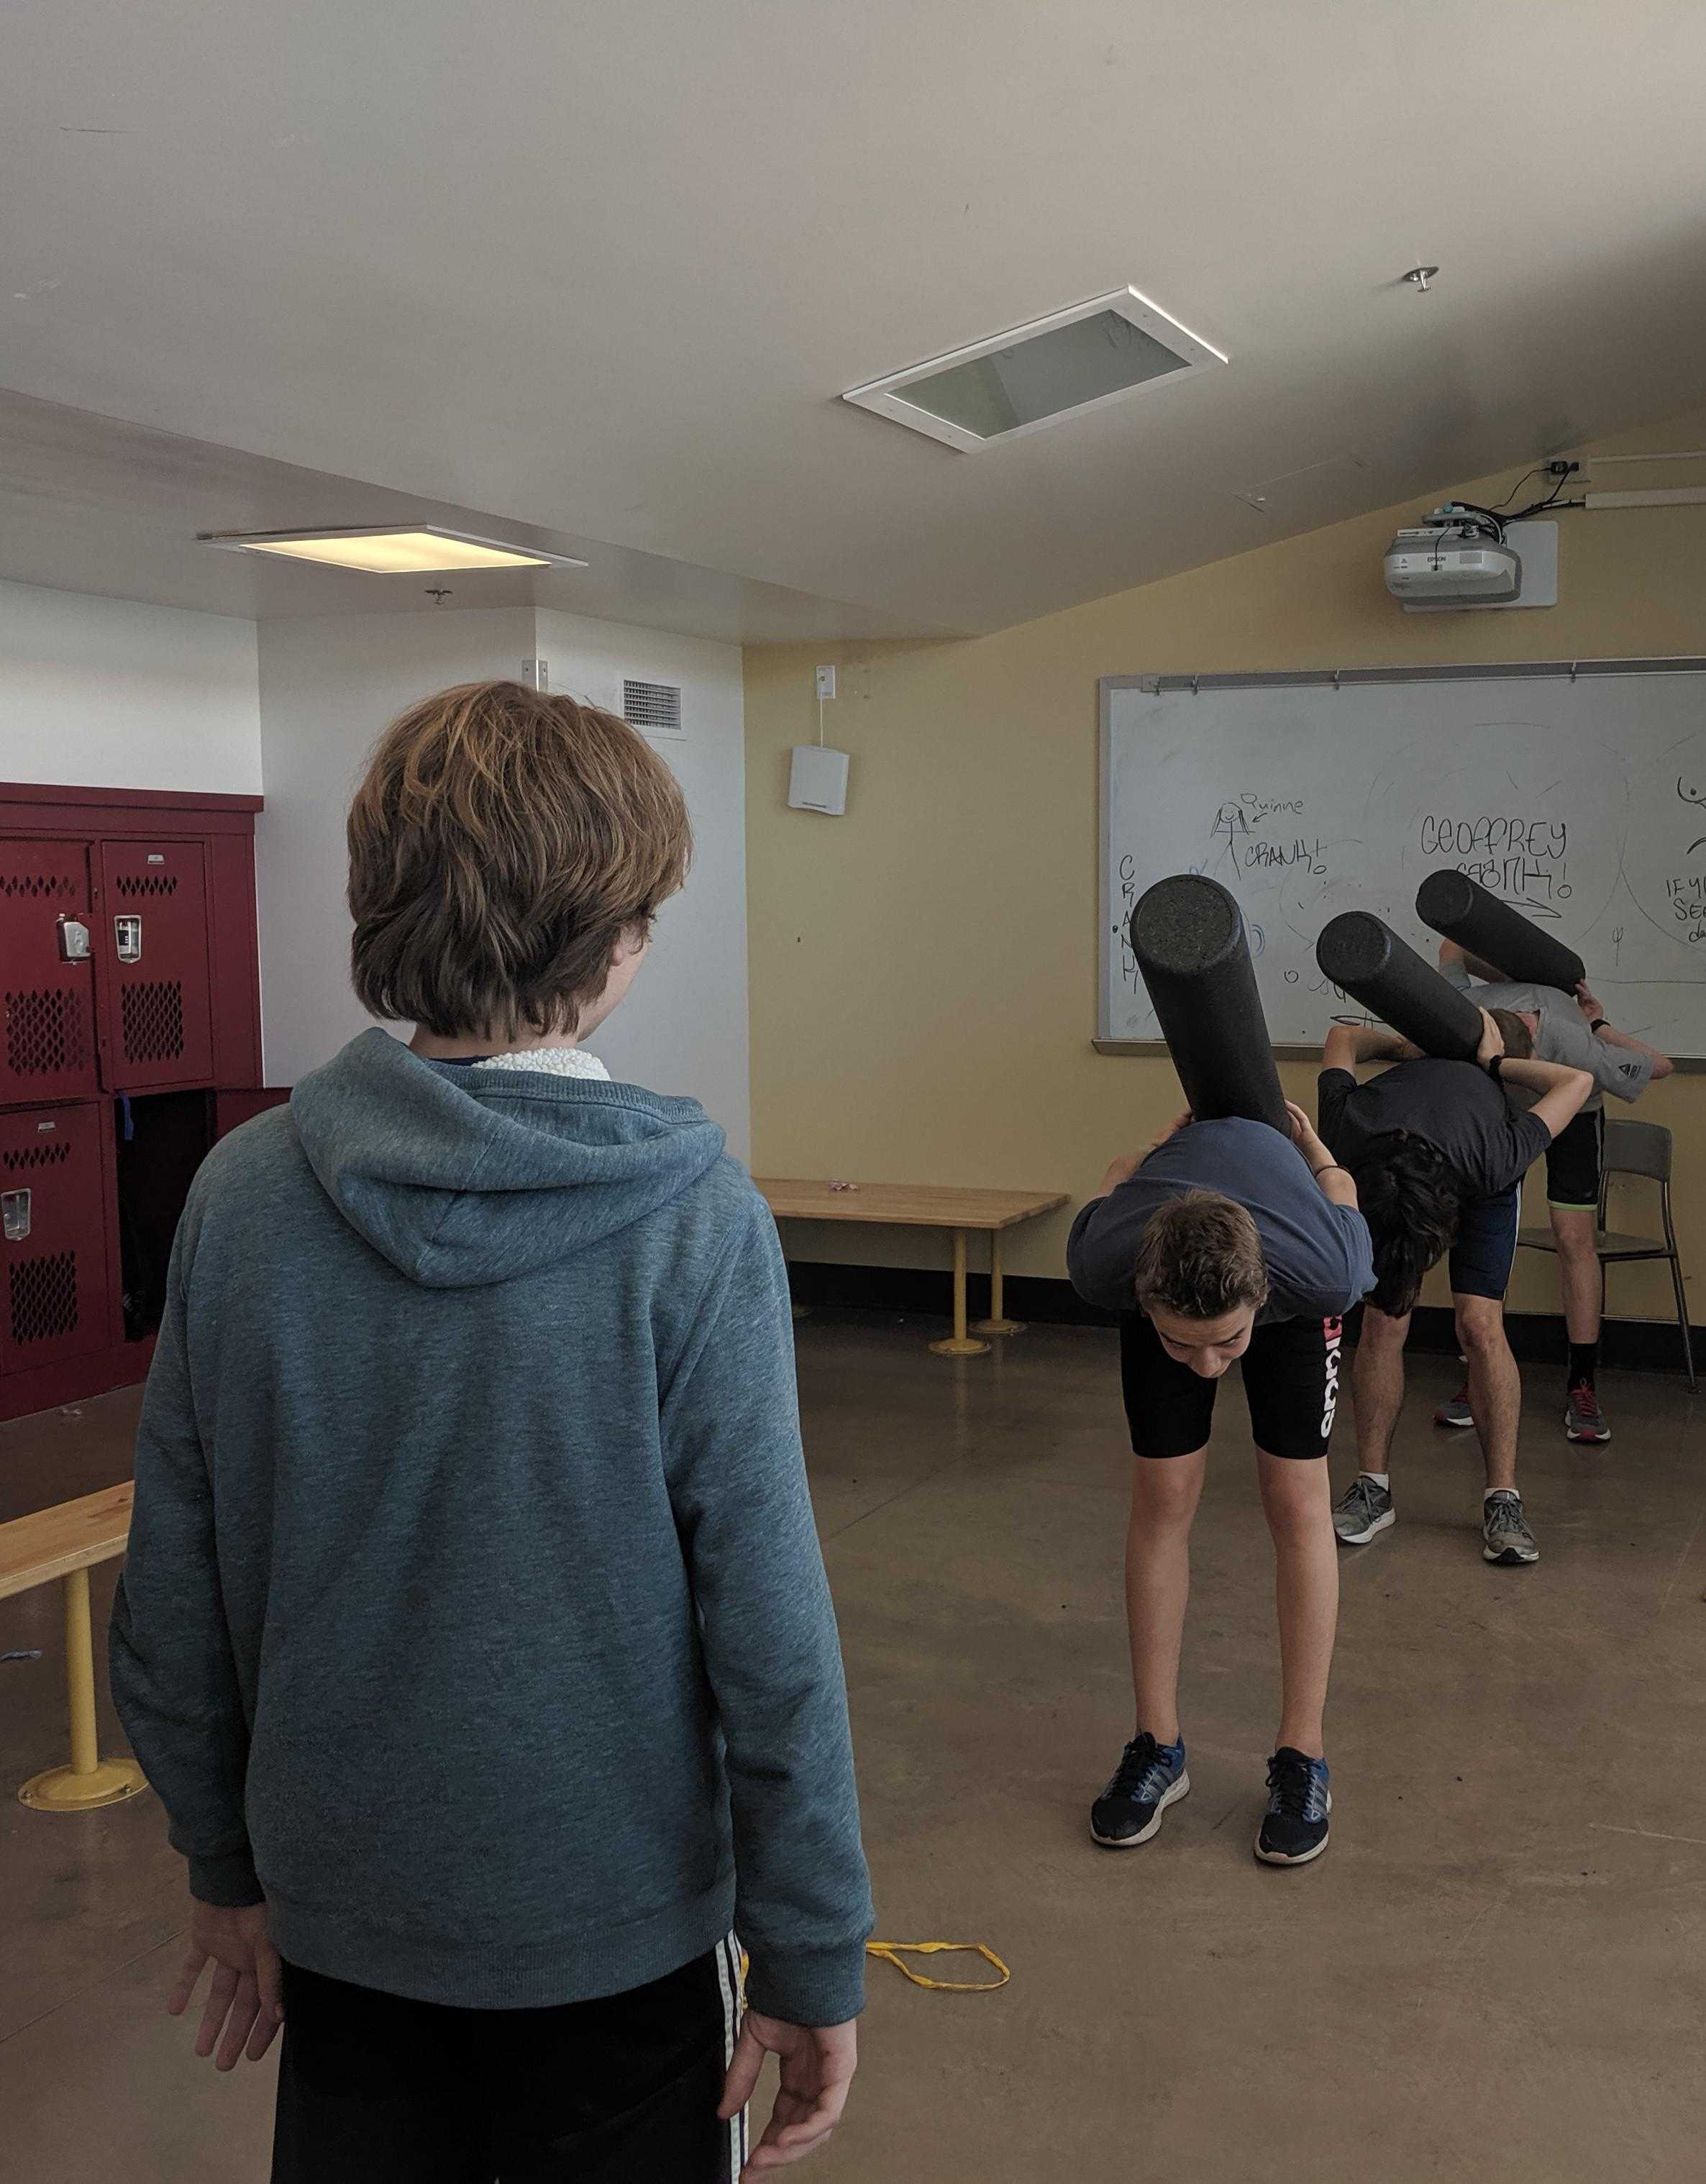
552	1062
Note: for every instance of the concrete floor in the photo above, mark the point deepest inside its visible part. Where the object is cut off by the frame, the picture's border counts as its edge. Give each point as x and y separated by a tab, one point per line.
1499	1970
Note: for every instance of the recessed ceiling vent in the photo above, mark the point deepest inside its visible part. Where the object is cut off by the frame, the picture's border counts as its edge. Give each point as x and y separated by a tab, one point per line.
1058	367
654	707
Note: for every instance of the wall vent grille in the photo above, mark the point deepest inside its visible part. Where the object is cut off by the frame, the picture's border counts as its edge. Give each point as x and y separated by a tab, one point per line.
654	707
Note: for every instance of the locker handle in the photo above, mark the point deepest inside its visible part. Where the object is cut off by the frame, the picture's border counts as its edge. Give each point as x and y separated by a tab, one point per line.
127	932
15	1215
74	939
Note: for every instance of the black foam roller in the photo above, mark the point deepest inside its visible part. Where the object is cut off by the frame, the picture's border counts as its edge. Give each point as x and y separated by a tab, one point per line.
1361	953
1187	934
1461	909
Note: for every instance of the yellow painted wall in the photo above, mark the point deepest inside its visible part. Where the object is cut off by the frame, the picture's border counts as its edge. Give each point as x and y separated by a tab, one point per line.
924	979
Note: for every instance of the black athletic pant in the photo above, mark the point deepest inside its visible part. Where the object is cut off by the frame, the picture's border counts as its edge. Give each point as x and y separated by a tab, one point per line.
374	2089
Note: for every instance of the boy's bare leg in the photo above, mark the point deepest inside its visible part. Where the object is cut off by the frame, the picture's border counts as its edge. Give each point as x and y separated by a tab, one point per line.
1574	1229
1377	1386
1164	1494
1297	1499
1495	1386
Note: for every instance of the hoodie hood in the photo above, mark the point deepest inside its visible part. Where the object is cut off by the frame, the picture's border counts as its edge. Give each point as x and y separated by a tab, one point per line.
461	1178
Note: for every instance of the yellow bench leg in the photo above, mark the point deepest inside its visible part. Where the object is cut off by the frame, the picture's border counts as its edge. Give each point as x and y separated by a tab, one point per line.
961	1343
997	1322
89	1781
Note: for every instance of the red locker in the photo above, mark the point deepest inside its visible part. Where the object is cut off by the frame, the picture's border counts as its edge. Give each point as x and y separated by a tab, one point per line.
153	948
56	1303
46	987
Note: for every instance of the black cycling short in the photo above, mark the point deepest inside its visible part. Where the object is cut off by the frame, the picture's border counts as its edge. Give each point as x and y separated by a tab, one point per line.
1484	1250
1572	1161
1290	1384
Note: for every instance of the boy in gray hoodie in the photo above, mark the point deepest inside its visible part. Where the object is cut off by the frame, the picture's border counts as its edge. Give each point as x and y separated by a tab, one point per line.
473	1631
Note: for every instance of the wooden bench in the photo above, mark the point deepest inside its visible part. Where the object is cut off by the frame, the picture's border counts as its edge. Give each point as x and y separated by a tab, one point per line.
65	1542
924	1206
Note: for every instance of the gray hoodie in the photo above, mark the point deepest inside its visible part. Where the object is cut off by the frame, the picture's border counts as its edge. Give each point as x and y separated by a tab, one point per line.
474	1611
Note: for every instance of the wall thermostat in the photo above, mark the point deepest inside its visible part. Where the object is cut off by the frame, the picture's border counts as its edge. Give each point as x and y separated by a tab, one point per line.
817	780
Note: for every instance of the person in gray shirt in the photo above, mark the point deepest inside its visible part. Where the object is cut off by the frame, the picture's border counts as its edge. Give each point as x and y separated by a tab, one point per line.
1571	1028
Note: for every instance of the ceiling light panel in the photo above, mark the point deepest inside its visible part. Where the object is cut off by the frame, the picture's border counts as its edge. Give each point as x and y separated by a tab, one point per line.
1041	374
381	550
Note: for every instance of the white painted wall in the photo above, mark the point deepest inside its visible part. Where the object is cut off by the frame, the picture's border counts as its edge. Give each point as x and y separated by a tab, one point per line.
112	693
683	1027
330	683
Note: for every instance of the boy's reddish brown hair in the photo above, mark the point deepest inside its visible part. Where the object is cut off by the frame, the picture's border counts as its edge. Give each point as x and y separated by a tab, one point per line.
1201	1256
502	843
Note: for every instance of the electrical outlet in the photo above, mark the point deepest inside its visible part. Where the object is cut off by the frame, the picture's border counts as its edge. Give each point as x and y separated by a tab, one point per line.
826	682
1559	467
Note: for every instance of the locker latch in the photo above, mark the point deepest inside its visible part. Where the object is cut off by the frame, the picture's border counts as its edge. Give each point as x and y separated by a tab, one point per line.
74	939
128	932
14	1212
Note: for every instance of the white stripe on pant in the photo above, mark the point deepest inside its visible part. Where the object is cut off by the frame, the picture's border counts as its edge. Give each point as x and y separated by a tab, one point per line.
729	1975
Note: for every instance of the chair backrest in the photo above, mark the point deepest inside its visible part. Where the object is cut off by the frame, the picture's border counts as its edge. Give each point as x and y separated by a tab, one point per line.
1638	1148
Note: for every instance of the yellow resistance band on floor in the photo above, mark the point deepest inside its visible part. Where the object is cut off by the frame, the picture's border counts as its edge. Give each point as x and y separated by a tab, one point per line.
892	1953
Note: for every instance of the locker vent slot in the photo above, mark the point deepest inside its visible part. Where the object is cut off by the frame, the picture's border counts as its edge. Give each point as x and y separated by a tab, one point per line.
36	1156
147	884
153	1021
44	1297
44	1033
38	884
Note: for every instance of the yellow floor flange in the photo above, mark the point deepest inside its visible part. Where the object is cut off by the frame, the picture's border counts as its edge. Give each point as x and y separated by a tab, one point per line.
89	1781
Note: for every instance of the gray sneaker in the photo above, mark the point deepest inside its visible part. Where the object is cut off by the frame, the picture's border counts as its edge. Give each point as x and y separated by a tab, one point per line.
1364	1508
1505	1529
1457	1413
1583	1419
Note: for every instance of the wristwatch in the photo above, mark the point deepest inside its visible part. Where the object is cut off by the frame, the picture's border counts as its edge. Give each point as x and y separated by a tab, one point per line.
1599	1023
1495	1064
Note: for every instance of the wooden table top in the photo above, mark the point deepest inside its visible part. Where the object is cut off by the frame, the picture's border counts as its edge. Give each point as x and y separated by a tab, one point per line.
906	1204
53	1542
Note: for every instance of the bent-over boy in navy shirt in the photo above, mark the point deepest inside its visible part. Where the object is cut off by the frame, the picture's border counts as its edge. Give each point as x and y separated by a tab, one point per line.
1225	1241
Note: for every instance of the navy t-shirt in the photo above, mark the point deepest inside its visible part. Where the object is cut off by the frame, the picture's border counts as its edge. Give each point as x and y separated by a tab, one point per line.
1454	1105
1318	1256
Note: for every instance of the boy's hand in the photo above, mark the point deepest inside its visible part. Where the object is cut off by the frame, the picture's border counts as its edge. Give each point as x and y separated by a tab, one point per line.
1588	1002
1306	1138
1492	1040
246	1996
817	2067
1124	1166
1120	1169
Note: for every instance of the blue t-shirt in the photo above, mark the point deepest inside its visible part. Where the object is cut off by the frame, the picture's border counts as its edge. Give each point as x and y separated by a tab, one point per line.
1319	1257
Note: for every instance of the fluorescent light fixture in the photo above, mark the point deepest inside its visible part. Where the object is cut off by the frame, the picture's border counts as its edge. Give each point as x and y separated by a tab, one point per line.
391	550
1054	368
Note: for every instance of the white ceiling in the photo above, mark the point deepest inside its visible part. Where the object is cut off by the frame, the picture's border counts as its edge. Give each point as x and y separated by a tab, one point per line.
603	269
90	503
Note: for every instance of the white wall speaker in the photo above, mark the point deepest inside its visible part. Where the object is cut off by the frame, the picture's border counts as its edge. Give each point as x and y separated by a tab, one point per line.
817	780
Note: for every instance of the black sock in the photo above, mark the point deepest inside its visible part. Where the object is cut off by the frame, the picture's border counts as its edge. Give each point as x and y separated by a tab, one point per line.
1583	1357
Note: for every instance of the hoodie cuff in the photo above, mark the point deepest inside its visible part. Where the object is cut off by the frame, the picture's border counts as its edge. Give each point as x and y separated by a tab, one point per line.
227	1882
808	1986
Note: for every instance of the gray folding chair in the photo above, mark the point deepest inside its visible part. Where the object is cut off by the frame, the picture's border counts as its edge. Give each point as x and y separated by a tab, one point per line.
1634	1149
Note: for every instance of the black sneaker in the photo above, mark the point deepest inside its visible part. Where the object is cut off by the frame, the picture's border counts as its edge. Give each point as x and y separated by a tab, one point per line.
1294	1827
1150	1777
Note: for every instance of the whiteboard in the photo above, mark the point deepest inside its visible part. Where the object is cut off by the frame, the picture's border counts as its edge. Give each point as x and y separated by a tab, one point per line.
1574	790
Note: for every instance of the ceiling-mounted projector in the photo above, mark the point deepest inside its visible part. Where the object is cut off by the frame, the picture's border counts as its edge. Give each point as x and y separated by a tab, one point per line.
1458	557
